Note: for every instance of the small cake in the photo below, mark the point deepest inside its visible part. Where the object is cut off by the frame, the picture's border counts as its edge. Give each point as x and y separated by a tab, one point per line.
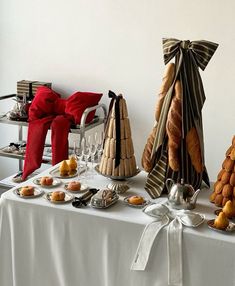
74	186
221	222
72	163
27	191
57	196
64	168
136	200
46	181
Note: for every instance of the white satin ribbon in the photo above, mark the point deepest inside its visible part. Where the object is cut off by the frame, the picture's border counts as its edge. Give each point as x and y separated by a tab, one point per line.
174	251
146	242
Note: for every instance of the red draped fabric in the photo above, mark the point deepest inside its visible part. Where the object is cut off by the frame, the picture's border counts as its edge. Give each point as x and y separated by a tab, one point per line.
49	111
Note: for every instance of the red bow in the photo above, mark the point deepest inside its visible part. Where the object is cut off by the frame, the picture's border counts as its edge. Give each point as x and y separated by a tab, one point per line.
49	110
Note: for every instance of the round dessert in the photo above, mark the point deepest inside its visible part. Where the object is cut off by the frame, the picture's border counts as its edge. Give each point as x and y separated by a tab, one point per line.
136	200
27	191
57	196
74	186
46	181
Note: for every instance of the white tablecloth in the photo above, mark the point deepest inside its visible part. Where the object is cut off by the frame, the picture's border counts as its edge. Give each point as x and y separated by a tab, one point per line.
42	244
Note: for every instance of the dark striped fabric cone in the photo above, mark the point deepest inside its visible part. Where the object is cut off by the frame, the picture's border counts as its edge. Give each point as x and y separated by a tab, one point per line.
156	179
189	57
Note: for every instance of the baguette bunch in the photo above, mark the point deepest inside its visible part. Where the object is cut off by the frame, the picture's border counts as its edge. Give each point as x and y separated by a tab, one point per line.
224	187
167	80
127	166
173	129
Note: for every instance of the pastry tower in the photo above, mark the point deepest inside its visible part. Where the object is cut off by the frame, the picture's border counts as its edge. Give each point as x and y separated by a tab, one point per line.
224	188
118	158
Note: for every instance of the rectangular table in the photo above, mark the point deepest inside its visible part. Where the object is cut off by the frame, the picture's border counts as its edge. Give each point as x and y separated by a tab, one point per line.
59	245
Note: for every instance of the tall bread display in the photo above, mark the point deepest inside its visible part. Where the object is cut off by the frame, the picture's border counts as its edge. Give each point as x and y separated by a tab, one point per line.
224	187
175	147
147	158
118	159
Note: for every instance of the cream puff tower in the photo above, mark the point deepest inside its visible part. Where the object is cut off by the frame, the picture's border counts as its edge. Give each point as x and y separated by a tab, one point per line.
224	188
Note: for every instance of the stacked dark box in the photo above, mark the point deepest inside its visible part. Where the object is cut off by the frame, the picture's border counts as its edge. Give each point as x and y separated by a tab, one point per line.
29	87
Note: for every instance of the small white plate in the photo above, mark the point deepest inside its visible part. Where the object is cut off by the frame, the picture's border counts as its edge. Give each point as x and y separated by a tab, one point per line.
83	188
229	229
140	206
56	173
37	193
56	182
68	198
192	219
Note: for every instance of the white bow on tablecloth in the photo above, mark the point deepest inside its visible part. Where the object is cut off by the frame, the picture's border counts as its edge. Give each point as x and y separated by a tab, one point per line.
174	244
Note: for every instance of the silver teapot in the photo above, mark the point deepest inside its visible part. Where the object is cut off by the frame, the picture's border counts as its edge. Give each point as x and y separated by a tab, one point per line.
180	195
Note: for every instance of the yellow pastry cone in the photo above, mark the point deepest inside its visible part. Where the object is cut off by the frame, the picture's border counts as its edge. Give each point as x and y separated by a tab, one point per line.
229	209
221	222
64	168
72	164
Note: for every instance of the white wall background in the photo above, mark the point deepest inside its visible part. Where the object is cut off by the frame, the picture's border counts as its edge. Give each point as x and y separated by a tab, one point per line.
97	45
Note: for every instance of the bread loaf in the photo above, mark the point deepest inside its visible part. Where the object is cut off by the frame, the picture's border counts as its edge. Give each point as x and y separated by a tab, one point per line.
148	162
166	83
194	149
173	128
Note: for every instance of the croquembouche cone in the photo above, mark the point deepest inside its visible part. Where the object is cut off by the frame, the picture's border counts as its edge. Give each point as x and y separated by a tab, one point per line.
224	187
126	167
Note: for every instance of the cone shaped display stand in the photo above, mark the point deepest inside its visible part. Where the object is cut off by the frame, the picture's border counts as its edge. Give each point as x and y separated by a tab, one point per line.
118	160
224	187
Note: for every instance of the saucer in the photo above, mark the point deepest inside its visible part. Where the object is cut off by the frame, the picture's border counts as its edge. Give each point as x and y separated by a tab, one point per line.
56	182
37	193
230	228
68	198
140	206
83	188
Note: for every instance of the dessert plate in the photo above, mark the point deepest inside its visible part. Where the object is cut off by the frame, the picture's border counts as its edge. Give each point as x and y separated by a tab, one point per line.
56	173
229	229
83	188
68	198
56	182
140	206
192	219
37	193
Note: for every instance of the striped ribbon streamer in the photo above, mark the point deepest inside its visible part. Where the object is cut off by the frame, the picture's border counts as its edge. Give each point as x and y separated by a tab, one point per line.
189	57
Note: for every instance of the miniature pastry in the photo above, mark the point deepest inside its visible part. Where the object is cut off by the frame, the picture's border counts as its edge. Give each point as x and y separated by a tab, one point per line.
64	168
229	209
224	201
27	191
74	186
72	163
57	196
212	197
46	181
221	222
227	191
219	200
136	200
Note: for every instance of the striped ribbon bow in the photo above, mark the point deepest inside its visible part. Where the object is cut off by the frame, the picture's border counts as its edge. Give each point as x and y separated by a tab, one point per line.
199	54
189	57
